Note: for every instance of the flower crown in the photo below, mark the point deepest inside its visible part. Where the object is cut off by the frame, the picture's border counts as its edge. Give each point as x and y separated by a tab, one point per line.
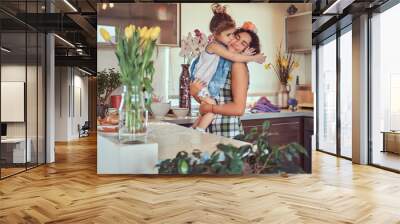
249	26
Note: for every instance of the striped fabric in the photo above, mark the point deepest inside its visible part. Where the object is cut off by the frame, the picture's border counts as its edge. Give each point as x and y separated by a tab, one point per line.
227	126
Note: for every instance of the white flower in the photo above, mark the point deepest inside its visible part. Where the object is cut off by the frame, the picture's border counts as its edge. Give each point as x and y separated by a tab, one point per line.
192	46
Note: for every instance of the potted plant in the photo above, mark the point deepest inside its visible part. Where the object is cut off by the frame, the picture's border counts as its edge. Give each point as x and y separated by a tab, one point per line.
191	47
259	157
107	81
283	68
134	50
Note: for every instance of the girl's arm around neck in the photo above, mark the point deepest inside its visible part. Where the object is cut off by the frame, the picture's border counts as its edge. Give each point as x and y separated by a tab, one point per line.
222	51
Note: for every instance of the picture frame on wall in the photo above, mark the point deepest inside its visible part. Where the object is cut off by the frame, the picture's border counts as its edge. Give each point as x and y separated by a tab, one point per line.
165	15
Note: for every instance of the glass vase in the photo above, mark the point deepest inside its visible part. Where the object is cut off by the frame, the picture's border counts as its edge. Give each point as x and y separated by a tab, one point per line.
133	116
184	88
283	96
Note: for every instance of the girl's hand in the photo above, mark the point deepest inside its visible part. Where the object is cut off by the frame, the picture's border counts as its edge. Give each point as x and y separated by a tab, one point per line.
196	86
249	51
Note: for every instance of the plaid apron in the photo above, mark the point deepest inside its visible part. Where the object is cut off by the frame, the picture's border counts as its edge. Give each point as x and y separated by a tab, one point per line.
227	126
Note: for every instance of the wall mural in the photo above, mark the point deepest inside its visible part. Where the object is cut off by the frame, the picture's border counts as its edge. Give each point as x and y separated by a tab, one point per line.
211	128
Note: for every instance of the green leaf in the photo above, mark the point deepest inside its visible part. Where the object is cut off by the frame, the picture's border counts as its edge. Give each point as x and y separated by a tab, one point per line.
218	168
236	166
182	155
266	125
244	149
183	166
299	148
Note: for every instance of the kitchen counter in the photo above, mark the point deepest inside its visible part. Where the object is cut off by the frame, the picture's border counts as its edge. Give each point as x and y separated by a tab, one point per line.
172	138
247	116
164	141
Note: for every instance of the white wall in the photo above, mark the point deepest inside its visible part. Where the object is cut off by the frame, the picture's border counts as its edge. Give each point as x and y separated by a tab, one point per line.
33	126
269	19
270	22
69	81
12	73
61	103
385	75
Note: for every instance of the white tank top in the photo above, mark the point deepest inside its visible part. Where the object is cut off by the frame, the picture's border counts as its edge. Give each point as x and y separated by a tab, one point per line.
206	67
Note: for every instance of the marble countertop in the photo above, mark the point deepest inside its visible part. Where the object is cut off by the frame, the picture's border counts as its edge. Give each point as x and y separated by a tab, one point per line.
172	138
247	116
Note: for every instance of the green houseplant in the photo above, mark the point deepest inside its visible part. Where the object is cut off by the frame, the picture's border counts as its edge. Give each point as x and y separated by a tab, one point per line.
107	81
134	50
259	157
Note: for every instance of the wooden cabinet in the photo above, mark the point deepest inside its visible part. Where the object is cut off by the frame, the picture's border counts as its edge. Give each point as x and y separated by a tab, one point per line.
298	29
282	131
308	133
287	130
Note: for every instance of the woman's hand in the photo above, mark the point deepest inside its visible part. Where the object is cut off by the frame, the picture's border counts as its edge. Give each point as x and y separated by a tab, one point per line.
205	108
195	87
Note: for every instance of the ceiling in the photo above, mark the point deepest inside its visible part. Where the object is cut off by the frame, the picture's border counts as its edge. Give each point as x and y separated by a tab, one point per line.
331	15
72	20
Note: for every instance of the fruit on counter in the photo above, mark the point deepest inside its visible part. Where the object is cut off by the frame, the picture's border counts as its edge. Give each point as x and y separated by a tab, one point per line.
109	129
108	120
112	120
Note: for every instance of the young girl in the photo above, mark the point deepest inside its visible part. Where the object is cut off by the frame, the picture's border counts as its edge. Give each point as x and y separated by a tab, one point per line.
222	26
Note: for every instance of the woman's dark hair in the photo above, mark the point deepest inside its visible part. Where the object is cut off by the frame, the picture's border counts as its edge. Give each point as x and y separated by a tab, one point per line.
221	21
255	41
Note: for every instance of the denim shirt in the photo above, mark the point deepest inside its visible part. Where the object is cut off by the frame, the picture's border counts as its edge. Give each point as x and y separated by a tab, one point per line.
219	78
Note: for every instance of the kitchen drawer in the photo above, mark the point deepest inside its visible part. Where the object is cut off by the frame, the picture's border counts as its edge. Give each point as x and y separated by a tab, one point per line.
282	130
282	133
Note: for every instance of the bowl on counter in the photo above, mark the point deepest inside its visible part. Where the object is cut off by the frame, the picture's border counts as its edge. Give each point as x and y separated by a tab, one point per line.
180	112
159	110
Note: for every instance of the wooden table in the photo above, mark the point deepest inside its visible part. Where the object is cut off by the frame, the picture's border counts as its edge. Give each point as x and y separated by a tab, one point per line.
391	141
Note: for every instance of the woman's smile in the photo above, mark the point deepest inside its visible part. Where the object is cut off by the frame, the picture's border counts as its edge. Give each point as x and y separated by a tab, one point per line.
240	43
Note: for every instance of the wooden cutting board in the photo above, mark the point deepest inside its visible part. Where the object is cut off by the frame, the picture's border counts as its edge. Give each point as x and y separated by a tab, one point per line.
304	96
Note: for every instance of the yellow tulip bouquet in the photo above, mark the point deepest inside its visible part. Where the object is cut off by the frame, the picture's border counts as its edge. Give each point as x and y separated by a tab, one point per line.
134	50
284	65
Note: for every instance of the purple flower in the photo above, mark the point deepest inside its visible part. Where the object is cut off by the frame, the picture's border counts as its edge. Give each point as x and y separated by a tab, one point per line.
292	102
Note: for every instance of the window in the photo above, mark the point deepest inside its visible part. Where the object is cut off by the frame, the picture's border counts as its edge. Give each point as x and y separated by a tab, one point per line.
334	105
327	96
22	76
385	88
346	94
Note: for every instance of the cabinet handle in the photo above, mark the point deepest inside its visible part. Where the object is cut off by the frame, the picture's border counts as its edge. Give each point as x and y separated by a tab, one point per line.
291	123
273	133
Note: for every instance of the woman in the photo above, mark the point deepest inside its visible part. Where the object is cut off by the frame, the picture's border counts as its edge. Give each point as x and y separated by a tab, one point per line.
231	103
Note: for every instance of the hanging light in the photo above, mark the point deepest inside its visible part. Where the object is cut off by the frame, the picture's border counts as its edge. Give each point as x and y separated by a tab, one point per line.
5	49
104	6
70	5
